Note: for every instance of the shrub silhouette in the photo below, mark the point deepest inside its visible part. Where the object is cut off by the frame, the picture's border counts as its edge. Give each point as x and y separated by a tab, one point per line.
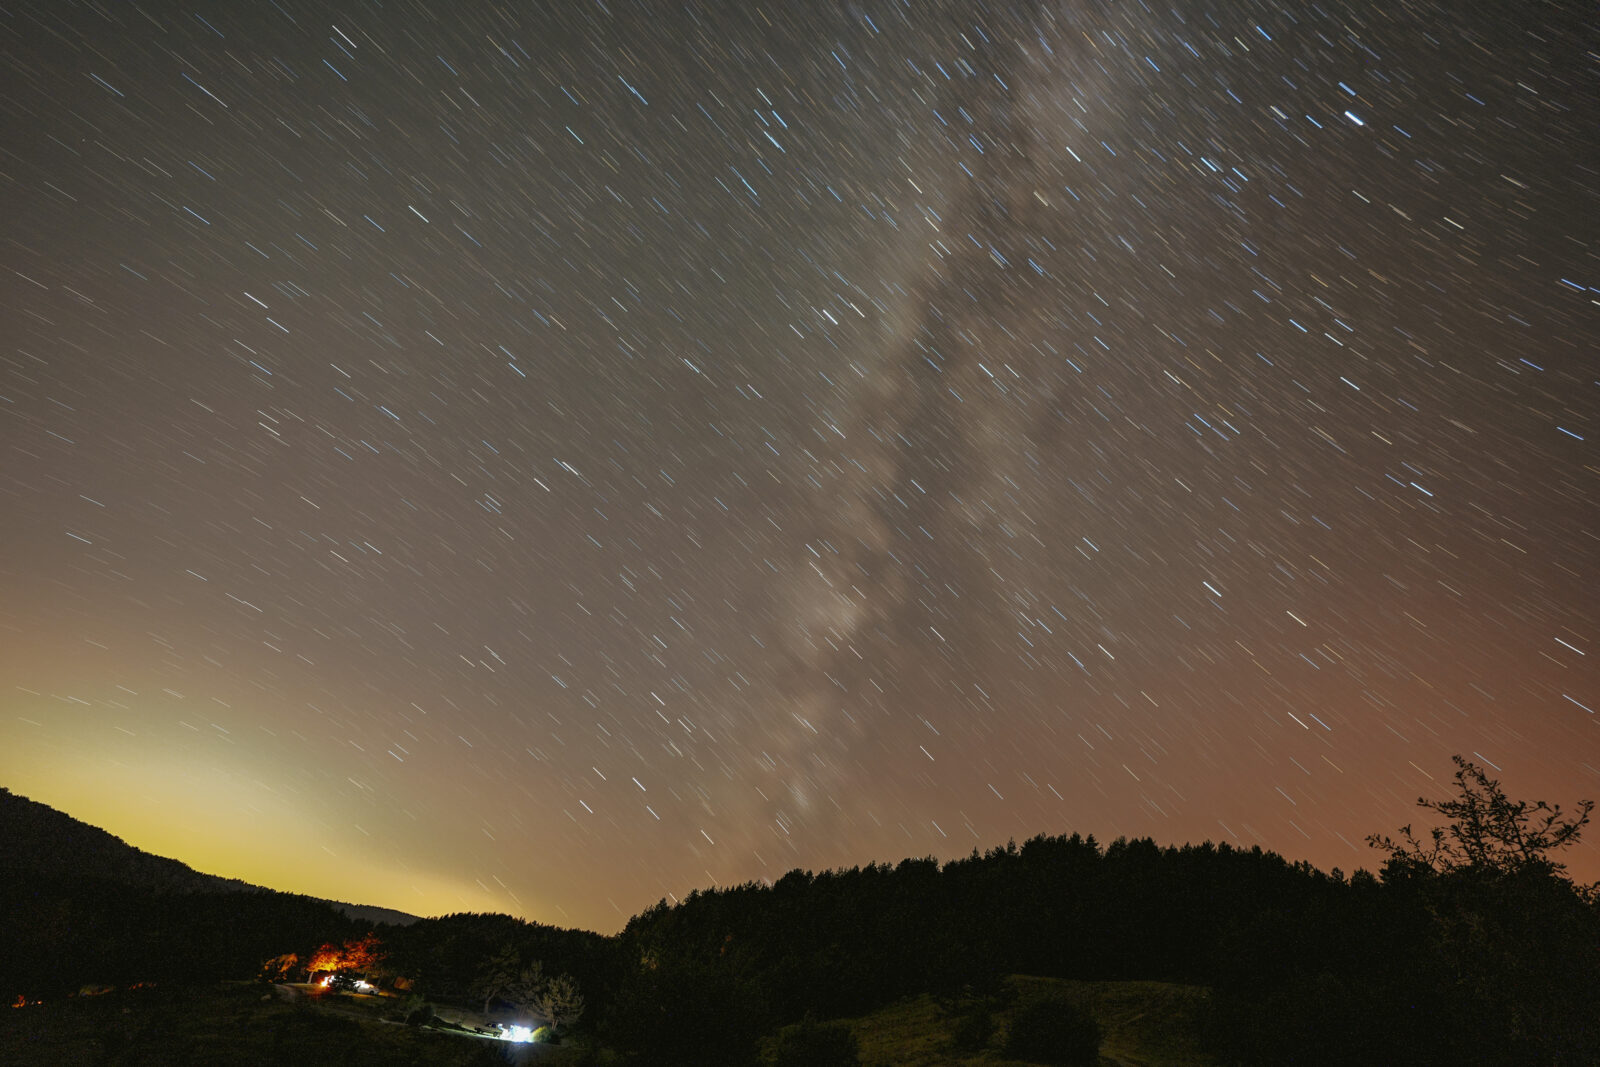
817	1045
1056	1033
972	1030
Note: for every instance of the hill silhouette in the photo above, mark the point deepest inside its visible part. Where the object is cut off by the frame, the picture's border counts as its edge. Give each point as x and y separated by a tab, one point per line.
37	841
80	906
40	841
1483	953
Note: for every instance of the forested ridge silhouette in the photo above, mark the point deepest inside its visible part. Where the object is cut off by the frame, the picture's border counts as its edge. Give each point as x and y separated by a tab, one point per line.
1483	951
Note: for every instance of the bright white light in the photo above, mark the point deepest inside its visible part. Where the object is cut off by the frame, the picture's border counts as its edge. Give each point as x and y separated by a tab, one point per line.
518	1033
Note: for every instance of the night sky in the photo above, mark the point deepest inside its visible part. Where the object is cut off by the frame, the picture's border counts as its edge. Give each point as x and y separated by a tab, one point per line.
548	457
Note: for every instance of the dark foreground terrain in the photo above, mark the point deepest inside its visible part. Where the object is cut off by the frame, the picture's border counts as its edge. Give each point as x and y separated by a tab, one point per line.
1146	1024
1472	945
244	1024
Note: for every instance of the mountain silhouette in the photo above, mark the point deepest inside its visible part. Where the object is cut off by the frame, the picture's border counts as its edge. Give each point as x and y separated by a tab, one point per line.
40	844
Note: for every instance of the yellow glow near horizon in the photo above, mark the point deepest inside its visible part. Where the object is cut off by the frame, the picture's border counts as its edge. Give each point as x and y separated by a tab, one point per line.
209	820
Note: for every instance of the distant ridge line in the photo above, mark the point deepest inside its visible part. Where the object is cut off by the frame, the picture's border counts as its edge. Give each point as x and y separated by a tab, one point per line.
39	840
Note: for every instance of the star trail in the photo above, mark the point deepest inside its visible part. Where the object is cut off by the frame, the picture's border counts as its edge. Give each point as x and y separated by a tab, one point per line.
544	458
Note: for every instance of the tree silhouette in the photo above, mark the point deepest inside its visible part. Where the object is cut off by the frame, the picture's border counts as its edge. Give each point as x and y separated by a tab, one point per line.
1506	957
527	990
559	1001
1487	831
502	977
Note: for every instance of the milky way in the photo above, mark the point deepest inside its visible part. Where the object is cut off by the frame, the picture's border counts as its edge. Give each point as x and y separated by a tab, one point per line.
545	458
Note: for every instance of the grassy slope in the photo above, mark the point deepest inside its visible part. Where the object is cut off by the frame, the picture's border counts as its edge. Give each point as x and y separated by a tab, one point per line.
1146	1024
